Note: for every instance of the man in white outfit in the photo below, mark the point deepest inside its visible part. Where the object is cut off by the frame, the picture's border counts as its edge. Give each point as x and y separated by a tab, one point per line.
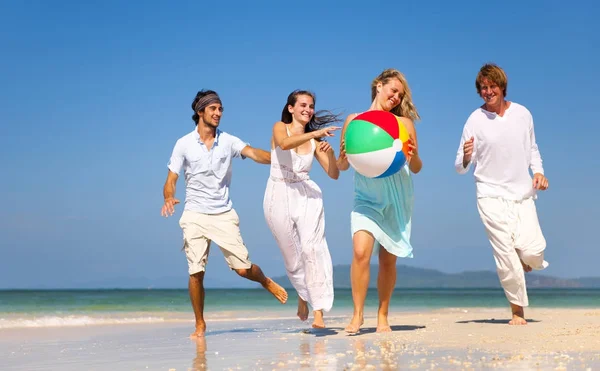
498	140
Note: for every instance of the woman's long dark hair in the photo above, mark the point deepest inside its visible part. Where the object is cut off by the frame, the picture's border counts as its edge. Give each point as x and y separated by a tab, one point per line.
319	119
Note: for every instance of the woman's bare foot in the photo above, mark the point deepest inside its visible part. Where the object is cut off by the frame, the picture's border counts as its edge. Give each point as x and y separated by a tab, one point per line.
200	330
278	292
302	309
518	315
382	324
354	325
318	321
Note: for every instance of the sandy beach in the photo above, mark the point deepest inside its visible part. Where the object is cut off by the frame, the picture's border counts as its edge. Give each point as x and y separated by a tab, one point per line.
460	338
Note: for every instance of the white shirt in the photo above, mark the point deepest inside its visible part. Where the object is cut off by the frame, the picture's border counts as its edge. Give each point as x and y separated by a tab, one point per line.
207	173
503	152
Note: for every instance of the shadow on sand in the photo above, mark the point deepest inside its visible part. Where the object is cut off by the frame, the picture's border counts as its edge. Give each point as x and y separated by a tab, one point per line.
317	332
370	330
494	321
320	332
236	330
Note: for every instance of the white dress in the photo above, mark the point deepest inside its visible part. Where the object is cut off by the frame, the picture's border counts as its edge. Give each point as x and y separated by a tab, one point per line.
293	207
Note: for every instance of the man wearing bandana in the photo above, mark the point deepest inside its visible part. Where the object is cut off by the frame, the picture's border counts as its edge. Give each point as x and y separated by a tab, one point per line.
205	156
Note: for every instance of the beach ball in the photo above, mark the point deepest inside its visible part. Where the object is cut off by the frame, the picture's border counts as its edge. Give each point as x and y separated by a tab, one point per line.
376	144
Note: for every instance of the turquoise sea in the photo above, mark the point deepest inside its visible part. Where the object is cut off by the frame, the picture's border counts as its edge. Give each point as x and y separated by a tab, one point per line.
52	308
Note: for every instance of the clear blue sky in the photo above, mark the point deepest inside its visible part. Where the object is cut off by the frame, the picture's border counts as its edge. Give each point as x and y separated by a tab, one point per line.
94	95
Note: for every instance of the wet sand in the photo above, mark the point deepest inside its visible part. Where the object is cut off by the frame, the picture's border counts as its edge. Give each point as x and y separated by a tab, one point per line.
461	338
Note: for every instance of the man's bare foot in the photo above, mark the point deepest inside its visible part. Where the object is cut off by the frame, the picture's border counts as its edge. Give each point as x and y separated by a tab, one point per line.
318	321
517	321
382	324
518	315
200	330
526	267
354	325
278	292
302	309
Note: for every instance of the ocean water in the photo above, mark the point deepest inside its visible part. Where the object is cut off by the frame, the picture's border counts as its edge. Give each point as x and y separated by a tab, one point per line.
51	308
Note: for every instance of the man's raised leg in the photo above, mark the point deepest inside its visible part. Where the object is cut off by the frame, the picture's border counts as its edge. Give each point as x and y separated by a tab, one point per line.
254	273
531	242
225	232
196	289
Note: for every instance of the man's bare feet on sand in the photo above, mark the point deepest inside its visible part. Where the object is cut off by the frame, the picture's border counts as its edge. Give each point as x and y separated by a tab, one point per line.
382	324
518	315
200	330
517	320
318	321
302	310
526	267
278	292
354	325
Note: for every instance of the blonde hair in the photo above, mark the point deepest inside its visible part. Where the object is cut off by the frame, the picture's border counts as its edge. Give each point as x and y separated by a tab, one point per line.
406	107
493	73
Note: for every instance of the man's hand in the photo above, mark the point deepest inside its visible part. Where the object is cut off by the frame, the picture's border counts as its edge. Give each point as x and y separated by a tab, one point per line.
540	182
169	207
468	151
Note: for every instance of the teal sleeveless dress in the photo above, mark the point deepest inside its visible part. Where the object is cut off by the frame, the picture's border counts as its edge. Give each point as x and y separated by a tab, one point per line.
383	207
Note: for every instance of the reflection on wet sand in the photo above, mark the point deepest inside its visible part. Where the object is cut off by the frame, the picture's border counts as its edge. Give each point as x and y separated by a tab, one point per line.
320	356
199	362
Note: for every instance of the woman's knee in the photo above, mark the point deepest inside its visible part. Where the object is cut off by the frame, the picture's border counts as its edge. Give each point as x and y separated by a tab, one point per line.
362	242
362	253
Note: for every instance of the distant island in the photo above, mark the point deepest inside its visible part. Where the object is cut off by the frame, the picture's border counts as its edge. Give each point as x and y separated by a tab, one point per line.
407	278
412	277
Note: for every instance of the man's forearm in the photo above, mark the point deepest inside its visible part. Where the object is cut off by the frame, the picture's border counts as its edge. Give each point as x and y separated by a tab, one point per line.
169	190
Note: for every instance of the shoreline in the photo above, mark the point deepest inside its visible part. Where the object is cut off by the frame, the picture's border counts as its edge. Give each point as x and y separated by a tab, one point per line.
15	320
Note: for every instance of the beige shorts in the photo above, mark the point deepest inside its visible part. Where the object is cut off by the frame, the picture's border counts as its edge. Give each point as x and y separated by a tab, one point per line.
224	229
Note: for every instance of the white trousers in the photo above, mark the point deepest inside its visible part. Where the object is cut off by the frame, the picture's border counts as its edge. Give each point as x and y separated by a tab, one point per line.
514	232
294	213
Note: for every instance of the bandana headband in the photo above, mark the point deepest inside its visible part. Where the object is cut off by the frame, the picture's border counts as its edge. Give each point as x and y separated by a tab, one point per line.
206	101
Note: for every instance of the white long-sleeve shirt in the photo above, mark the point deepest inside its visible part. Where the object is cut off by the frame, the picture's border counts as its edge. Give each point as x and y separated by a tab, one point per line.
504	150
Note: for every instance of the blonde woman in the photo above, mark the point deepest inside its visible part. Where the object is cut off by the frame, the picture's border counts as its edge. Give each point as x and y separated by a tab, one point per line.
381	216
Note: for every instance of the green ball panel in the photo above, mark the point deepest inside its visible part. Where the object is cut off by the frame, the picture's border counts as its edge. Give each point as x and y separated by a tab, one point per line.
363	136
